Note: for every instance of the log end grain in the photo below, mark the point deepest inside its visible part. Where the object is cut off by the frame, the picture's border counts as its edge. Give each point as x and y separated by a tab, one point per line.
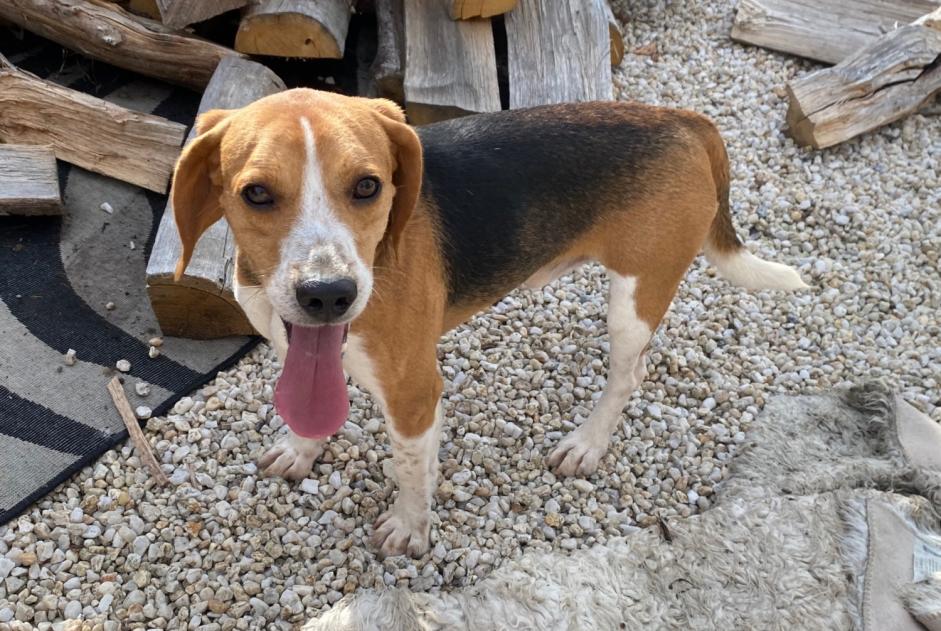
195	310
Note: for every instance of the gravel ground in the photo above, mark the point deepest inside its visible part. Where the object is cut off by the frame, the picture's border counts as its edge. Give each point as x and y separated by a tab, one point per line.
223	547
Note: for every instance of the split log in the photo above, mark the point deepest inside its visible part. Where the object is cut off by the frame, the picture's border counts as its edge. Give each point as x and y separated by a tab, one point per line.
105	31
180	13
558	52
467	9
29	181
617	38
295	28
875	86
450	67
828	31
387	70
88	131
201	305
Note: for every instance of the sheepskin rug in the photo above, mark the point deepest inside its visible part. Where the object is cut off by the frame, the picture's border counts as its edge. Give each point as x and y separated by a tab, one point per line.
829	521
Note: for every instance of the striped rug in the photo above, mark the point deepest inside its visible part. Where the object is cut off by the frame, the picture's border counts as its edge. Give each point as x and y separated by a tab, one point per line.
56	277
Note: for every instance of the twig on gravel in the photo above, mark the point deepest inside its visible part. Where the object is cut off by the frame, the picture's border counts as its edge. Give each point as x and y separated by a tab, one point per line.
116	390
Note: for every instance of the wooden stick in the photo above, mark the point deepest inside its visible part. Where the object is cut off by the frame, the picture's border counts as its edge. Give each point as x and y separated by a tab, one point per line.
88	131
468	9
558	52
105	31
202	305
116	390
825	30
180	13
450	67
29	181
877	85
295	28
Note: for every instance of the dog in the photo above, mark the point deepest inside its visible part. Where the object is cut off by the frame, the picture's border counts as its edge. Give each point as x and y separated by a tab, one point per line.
357	231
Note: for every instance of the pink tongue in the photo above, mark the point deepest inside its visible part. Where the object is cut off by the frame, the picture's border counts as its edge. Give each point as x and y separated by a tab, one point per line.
311	394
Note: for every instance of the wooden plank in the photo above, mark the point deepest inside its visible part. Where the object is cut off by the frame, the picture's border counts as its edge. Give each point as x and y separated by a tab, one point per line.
180	13
388	67
450	67
202	304
877	85
88	131
825	30
105	31
468	9
558	52
29	181
295	28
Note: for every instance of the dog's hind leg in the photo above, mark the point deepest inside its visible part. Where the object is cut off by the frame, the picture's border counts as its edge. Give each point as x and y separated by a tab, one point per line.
580	451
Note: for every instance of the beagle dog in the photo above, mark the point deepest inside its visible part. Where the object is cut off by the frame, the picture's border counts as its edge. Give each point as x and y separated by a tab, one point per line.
362	240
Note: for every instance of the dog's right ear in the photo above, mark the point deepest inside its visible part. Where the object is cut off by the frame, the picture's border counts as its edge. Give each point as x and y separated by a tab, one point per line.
197	184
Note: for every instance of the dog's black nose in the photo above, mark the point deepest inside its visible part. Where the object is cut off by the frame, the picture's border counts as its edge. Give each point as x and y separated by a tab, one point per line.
326	300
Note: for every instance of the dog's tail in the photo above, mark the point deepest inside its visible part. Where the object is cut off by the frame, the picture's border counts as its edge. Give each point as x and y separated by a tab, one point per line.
723	249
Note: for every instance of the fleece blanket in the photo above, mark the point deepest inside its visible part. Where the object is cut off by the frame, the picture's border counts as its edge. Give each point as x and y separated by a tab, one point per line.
829	520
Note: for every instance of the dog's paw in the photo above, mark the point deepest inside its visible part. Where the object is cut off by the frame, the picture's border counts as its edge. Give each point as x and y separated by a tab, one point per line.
578	454
397	534
291	457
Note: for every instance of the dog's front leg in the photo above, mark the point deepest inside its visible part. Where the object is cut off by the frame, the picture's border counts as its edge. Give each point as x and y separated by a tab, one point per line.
405	527
293	456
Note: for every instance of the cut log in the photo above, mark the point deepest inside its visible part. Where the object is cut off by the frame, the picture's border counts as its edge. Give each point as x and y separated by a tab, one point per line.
180	13
617	38
450	67
105	31
558	52
29	181
388	67
467	9
825	30
201	305
875	86
295	28
87	131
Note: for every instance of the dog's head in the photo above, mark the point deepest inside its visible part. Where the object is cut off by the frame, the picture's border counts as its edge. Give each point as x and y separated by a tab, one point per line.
313	185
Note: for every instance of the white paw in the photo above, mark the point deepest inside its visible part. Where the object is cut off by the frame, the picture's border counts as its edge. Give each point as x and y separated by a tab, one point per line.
578	453
396	534
291	458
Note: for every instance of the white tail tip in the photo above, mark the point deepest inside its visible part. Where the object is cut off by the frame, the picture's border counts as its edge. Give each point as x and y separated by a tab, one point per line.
746	270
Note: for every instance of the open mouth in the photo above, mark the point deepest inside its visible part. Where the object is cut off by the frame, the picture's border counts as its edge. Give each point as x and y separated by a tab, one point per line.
311	394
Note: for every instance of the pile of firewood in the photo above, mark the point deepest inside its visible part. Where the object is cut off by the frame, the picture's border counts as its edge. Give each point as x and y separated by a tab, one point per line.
438	58
887	55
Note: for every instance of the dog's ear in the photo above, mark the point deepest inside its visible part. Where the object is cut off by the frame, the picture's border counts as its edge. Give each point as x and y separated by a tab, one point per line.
196	184
408	169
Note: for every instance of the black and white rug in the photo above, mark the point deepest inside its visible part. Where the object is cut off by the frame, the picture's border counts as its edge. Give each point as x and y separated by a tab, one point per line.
56	277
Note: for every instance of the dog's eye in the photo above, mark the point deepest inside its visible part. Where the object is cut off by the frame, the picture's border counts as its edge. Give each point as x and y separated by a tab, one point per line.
257	195
366	188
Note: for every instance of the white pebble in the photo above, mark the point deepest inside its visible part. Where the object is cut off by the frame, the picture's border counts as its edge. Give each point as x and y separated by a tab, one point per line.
123	365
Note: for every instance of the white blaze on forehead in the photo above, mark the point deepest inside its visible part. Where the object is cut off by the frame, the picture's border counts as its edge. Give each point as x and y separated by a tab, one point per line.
319	242
314	203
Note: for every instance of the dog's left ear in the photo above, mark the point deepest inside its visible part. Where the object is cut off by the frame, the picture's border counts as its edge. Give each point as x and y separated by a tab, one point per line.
195	191
408	168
